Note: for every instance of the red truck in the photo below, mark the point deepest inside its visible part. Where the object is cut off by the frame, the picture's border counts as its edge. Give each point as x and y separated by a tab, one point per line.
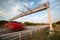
15	25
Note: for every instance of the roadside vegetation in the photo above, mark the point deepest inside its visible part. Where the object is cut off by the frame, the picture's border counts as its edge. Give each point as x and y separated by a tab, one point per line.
43	34
33	24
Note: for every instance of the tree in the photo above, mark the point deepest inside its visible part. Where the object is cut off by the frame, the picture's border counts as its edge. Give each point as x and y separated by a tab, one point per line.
58	22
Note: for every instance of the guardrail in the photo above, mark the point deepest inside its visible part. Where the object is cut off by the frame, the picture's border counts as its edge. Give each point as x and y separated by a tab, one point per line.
20	34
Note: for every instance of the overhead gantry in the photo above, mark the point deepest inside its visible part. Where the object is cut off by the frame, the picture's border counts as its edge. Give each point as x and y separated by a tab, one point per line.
43	6
40	8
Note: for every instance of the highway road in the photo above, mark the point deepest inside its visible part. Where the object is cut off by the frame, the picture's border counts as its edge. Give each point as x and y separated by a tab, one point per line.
15	35
6	30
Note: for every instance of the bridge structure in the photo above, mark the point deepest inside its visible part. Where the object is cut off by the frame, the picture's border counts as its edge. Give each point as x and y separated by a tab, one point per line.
44	6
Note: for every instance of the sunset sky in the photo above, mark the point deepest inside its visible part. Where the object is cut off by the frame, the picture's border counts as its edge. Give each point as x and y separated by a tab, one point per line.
9	9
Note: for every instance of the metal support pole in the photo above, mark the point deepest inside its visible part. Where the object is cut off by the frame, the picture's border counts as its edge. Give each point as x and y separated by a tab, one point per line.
51	30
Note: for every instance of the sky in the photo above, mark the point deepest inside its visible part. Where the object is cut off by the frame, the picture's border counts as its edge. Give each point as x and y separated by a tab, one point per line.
10	9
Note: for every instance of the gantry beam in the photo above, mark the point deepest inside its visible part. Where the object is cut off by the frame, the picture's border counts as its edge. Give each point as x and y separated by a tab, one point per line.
40	8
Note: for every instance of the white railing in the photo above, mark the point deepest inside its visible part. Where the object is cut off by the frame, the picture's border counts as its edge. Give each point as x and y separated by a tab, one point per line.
20	34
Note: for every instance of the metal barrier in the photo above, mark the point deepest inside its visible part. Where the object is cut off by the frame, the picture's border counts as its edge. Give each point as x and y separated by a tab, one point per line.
20	34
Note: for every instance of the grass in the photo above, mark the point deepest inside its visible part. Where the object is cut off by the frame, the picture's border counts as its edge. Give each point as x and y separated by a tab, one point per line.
43	34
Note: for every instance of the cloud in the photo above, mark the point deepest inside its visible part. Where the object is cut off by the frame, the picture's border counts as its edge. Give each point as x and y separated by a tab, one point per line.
43	1
55	16
34	19
2	13
28	4
58	6
31	4
14	10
